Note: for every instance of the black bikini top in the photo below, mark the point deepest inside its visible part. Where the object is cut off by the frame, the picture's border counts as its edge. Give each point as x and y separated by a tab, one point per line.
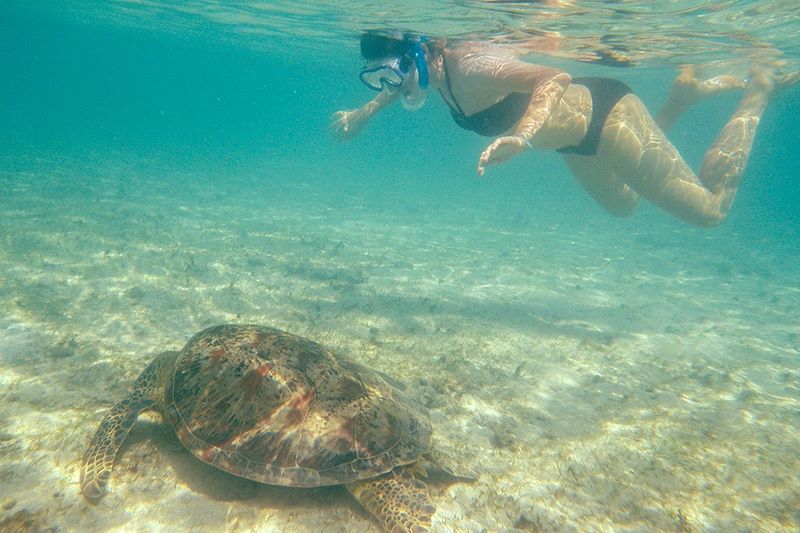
492	121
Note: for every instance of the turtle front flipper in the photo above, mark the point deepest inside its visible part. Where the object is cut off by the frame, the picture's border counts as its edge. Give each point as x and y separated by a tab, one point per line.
399	500
99	458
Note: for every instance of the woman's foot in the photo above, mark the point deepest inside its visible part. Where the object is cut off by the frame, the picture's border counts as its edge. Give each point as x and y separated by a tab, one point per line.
688	90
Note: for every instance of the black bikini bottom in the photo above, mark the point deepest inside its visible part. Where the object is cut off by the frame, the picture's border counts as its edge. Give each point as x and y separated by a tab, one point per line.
606	92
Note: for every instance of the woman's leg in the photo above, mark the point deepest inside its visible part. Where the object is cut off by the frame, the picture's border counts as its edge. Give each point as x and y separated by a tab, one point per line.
602	185
724	163
637	150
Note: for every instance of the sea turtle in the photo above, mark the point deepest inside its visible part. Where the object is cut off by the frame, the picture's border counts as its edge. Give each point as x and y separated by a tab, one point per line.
276	408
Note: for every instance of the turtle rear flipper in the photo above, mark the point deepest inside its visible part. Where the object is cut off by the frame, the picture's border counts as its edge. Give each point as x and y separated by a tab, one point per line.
99	458
399	500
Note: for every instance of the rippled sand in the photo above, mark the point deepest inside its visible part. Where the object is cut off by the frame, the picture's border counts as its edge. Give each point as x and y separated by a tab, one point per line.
619	377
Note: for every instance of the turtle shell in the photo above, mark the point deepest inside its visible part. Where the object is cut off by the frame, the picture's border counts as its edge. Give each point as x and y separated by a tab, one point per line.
276	408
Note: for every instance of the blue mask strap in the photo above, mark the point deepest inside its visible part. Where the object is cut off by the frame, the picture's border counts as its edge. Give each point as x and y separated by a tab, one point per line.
418	53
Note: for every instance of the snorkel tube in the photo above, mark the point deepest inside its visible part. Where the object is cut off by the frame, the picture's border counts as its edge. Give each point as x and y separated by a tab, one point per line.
415	94
417	53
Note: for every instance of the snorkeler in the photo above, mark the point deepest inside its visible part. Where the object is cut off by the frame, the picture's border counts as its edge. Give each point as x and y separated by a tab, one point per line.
610	142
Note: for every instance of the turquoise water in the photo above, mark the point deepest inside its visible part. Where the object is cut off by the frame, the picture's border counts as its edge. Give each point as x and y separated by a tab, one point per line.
167	166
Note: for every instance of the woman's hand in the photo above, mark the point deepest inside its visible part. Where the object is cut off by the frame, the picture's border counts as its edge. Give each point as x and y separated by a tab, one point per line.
346	125
502	149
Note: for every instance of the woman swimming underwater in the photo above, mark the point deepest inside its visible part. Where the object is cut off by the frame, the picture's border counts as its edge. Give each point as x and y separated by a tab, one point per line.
608	139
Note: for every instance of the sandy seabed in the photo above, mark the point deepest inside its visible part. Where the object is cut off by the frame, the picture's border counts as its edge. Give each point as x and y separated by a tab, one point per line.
619	382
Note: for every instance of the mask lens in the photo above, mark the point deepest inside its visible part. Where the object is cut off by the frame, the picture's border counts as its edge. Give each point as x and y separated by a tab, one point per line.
380	76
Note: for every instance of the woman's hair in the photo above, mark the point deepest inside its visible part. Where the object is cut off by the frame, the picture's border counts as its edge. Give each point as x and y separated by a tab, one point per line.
377	45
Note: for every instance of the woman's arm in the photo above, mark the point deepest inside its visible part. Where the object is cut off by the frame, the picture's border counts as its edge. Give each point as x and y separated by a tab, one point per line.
508	74
348	124
545	98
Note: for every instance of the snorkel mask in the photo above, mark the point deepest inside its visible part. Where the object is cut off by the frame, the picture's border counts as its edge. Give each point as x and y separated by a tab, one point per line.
394	71
390	73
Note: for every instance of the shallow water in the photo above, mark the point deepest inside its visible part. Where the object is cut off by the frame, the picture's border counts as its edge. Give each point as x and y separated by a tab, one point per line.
166	166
